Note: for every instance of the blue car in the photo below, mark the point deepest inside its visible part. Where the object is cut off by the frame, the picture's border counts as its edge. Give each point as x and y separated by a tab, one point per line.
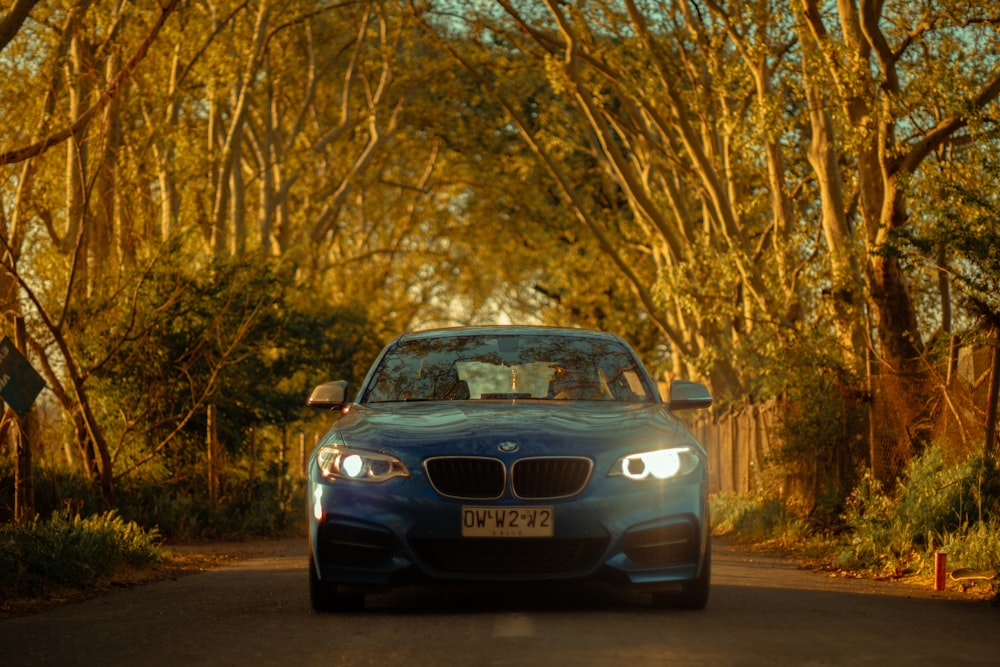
508	454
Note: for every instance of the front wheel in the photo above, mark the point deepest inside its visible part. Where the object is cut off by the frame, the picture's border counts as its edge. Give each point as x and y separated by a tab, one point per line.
694	593
324	596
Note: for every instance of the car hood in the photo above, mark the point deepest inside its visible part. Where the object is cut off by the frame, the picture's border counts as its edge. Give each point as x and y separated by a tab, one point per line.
479	427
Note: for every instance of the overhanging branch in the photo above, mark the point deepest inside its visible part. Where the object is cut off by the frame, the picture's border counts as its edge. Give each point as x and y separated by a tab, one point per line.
79	126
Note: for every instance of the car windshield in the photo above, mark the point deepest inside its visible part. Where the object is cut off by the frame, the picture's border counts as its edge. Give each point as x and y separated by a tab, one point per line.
504	367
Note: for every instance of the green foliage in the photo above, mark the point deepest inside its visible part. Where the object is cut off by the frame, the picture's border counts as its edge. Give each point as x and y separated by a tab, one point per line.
757	518
868	515
822	423
267	507
57	489
177	509
936	504
939	506
975	546
958	227
938	498
241	336
821	404
70	550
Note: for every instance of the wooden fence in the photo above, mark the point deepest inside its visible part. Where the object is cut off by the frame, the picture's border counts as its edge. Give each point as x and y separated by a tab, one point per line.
953	416
738	443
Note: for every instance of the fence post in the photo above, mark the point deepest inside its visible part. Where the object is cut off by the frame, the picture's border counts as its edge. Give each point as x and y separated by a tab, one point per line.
302	454
991	400
212	455
252	472
281	461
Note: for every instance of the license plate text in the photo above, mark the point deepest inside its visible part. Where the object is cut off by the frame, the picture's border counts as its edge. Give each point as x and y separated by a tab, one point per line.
507	522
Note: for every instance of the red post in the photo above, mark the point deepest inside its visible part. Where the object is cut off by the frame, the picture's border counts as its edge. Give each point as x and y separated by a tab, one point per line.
940	567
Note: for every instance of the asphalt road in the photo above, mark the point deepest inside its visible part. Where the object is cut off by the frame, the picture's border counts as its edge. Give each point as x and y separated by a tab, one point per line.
763	611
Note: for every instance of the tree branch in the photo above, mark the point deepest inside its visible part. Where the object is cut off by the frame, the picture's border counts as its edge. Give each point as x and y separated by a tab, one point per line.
12	22
79	126
945	130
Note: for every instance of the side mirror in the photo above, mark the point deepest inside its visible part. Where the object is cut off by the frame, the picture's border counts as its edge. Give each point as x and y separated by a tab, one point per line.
328	396
687	395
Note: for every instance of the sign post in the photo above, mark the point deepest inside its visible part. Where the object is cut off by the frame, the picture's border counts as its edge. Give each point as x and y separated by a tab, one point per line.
20	385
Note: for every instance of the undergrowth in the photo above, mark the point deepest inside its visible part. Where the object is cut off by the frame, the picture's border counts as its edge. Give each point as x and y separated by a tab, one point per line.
937	507
271	505
758	519
71	551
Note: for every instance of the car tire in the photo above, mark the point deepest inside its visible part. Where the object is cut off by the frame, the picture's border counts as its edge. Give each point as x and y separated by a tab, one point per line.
693	594
324	596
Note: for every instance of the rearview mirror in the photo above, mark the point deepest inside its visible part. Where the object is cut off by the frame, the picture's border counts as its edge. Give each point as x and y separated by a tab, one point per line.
687	395
328	396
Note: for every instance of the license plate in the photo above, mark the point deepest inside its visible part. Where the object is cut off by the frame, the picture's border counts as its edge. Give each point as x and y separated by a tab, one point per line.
507	521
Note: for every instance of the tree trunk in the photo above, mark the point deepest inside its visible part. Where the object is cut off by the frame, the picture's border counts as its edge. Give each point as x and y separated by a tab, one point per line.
103	240
76	150
24	486
845	295
990	442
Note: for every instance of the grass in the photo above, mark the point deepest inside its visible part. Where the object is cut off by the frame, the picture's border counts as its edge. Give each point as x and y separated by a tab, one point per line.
271	505
937	507
79	551
71	551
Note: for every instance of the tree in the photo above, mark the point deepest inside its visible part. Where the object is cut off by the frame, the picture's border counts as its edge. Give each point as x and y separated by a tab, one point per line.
641	100
955	234
714	99
743	248
253	130
236	337
77	238
905	88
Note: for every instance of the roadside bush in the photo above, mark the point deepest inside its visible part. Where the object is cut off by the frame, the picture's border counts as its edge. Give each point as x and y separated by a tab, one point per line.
70	550
264	507
868	516
757	518
937	506
270	506
937	499
975	546
56	489
820	428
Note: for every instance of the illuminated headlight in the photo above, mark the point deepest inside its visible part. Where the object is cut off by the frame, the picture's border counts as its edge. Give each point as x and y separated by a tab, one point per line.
657	464
357	464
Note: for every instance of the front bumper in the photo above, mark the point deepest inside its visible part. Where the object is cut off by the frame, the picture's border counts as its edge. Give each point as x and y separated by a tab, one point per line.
649	535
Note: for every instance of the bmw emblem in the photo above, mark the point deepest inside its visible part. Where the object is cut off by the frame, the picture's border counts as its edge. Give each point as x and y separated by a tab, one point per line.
508	447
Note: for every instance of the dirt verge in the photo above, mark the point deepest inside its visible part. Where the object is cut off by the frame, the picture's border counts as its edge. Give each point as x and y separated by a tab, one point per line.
179	560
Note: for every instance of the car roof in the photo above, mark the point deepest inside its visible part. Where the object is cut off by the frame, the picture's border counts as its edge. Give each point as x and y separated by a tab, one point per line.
506	330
